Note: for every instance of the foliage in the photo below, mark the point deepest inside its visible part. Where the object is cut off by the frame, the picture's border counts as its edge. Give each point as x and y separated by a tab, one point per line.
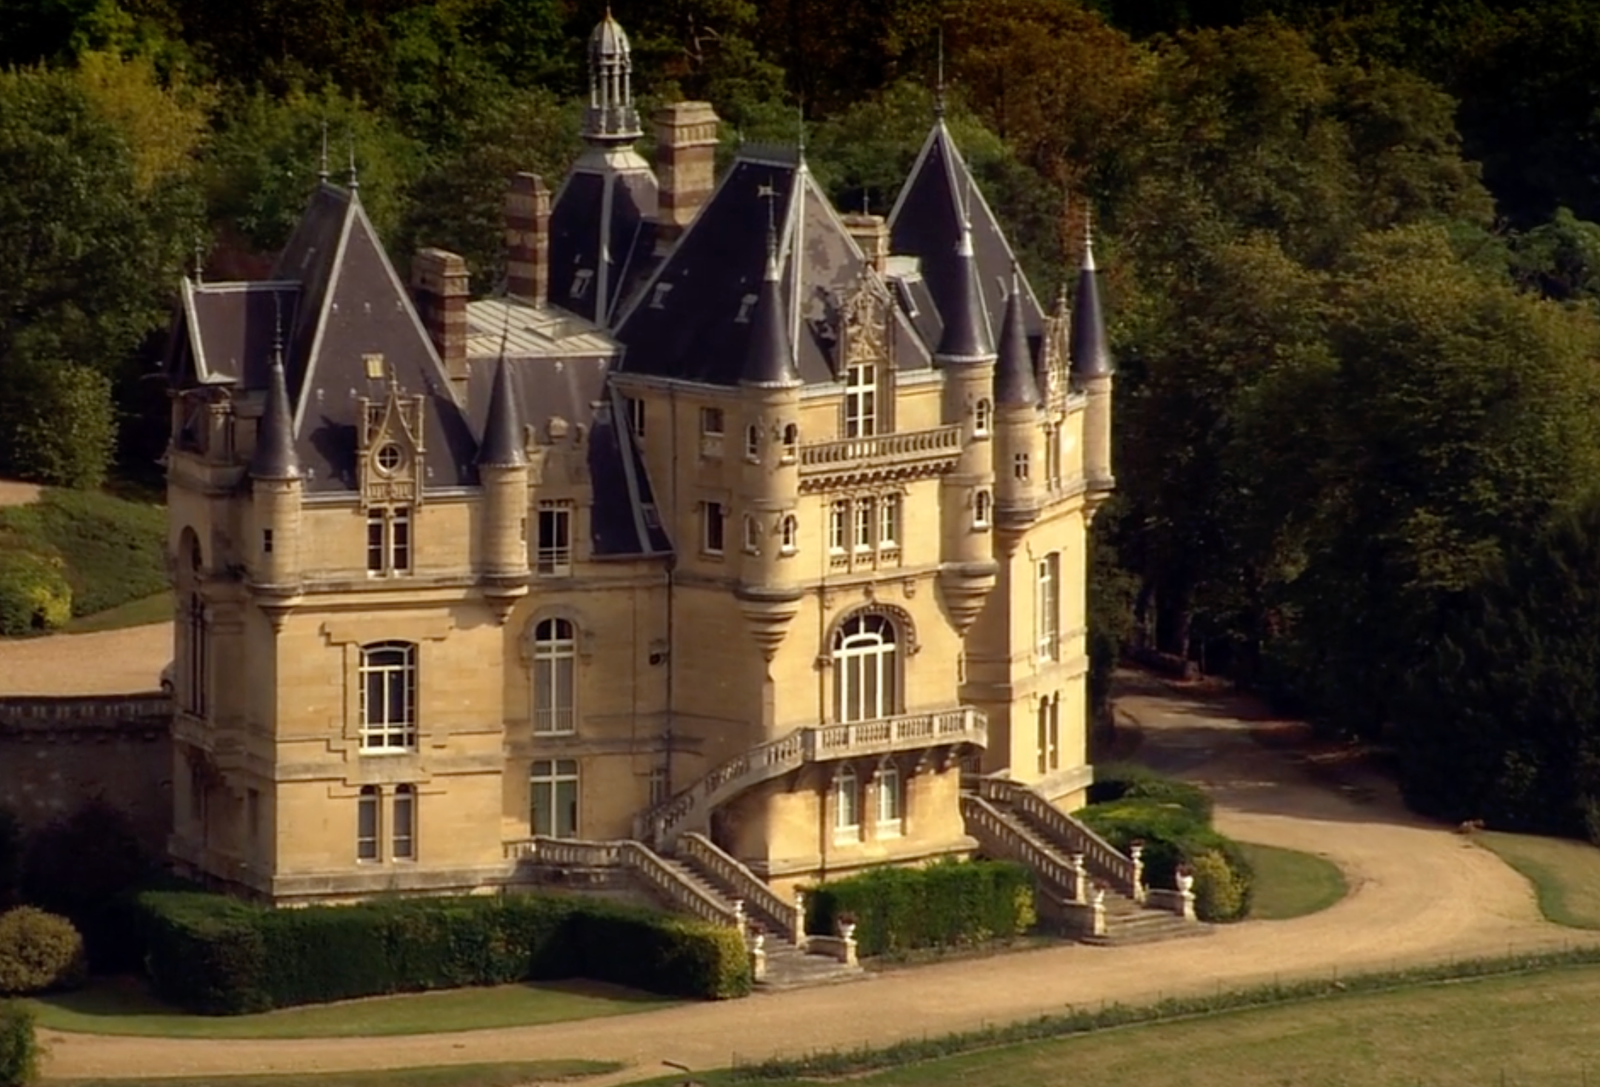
1117	780
34	594
943	905
39	952
19	1045
163	124
219	956
82	867
58	424
1220	893
111	550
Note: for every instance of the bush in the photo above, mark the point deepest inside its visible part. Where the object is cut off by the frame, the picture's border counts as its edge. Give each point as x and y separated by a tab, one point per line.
946	904
220	956
1117	781
82	867
34	594
39	952
1220	893
19	1046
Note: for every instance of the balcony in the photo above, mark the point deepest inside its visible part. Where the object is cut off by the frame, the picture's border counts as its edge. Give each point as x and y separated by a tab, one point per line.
908	454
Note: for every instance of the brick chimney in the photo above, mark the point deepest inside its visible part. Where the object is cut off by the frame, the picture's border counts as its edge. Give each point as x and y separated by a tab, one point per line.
871	233
528	240
439	285
686	168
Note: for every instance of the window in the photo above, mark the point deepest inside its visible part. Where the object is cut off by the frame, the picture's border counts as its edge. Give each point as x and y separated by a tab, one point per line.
846	803
635	415
791	441
889	521
196	686
711	528
405	823
580	283
1019	465
791	535
266	541
554	803
367	823
1052	456
864	511
1050	733
554	555
555	653
838	516
980	510
388	457
752	535
659	793
890	807
388	697
711	422
752	443
388	541
866	670
982	416
860	401
1047	607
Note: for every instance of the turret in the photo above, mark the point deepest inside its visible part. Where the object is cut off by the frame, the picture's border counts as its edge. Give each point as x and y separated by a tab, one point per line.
1018	427
503	473
611	119
768	472
275	493
966	355
1092	371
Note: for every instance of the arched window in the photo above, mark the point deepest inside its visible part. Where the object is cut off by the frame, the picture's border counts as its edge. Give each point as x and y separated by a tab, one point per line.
791	441
982	414
846	802
555	651
980	509
866	669
388	697
791	535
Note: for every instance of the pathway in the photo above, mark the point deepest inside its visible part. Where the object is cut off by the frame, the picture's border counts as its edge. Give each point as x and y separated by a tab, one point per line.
1418	893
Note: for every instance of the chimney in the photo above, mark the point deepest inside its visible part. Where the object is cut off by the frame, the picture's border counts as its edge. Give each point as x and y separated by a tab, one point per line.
439	285
686	151
871	233
528	240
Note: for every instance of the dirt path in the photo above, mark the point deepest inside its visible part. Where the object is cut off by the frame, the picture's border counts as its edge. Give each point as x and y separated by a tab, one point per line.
105	662
1419	893
13	493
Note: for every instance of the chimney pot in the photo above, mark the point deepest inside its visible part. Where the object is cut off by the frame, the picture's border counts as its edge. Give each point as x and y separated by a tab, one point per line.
871	233
686	151
528	240
440	286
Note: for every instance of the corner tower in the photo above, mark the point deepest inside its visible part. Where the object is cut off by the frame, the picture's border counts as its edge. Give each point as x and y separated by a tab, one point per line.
275	494
503	470
1018	428
1091	367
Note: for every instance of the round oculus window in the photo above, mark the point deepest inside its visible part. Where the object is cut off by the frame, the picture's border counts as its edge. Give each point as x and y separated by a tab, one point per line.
388	457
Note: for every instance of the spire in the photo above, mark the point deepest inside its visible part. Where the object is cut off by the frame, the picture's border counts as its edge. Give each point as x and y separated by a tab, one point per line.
355	182
502	429
966	328
1014	383
938	87
322	165
274	453
768	360
1088	351
611	118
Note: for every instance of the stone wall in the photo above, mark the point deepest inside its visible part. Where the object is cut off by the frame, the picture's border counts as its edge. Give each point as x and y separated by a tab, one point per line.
58	752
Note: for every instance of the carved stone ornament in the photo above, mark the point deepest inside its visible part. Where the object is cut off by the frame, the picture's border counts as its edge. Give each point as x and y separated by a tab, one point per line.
863	326
390	448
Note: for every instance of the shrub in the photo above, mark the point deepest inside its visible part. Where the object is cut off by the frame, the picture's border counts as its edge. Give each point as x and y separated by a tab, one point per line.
1220	893
1126	780
39	952
34	594
220	956
945	904
19	1046
82	867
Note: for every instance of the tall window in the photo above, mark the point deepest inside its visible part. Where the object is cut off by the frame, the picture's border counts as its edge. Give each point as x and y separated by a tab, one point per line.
1052	456
864	514
554	804
846	803
711	527
554	554
891	807
752	535
405	823
389	540
555	650
195	687
791	441
658	786
860	400
367	823
982	418
388	697
1050	733
889	521
980	509
866	669
791	535
635	415
838	518
752	443
1047	607
1019	465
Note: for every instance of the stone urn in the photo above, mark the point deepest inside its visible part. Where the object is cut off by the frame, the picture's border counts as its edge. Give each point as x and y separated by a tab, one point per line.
1186	883
1099	896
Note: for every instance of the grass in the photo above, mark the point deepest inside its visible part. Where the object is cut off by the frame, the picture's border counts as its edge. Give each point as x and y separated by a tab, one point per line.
507	1074
1290	883
125	1006
1532	1028
135	613
112	549
1565	874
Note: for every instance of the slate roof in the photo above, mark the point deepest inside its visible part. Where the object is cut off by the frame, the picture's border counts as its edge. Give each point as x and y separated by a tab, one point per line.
502	430
225	332
1014	383
1090	355
602	233
769	356
273	456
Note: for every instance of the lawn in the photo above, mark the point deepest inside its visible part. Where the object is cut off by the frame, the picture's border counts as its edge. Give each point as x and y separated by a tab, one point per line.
1565	874
1520	1029
1290	883
124	1006
509	1074
135	613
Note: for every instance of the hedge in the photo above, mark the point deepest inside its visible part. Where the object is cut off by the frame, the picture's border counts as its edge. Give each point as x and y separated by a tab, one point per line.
19	1046
1129	780
1173	836
220	956
945	904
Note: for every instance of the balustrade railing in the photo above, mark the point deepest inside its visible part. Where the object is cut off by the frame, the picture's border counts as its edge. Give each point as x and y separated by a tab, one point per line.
940	441
1100	856
760	899
633	856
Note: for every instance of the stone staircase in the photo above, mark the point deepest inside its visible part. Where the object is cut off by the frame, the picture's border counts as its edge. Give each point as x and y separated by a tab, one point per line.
1010	820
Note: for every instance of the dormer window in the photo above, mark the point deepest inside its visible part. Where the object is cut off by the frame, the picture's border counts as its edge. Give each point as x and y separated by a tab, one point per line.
658	300
746	304
580	283
860	400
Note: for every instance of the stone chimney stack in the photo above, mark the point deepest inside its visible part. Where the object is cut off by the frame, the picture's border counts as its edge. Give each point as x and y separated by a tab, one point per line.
439	286
871	233
528	240
686	168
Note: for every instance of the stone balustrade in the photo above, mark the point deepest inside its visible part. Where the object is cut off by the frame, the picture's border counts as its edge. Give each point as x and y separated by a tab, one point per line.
760	899
993	834
635	857
1103	859
935	444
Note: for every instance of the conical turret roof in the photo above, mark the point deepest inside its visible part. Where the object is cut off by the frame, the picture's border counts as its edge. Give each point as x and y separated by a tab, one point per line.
502	429
274	456
1090	355
1014	383
966	329
769	356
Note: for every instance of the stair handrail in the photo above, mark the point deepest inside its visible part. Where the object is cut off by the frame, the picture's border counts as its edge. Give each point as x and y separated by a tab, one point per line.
640	858
1100	856
759	898
1004	838
760	763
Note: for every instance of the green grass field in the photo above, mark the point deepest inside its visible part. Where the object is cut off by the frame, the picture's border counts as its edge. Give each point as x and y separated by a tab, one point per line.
1520	1029
124	1006
1290	883
135	613
509	1074
1565	874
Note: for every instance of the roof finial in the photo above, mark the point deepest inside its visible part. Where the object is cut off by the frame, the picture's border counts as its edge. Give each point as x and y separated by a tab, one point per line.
769	193
938	87
800	144
277	329
1088	237
322	169
355	182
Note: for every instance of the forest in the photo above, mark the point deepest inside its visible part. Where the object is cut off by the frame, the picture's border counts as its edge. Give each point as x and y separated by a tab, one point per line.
1351	253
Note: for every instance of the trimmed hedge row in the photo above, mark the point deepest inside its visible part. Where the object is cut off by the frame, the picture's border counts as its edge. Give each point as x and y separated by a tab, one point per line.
219	956
19	1046
943	905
